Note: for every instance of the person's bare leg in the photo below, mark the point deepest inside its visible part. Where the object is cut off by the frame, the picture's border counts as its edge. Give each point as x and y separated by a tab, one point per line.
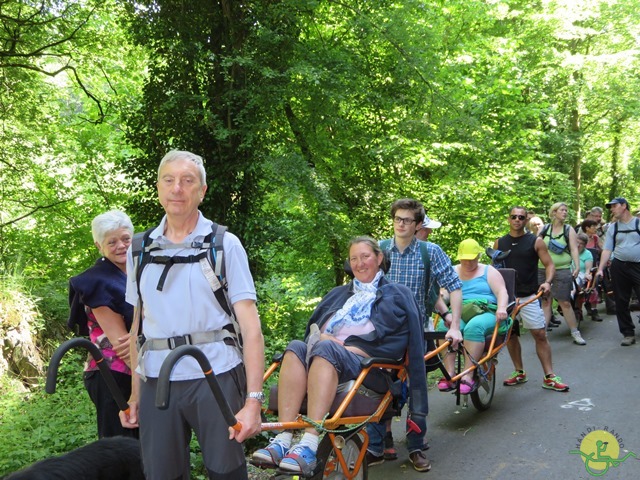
543	349
568	313
546	303
473	350
515	352
292	387
449	362
321	389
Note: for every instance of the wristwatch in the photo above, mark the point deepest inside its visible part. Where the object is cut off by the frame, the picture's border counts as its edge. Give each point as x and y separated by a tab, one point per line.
259	396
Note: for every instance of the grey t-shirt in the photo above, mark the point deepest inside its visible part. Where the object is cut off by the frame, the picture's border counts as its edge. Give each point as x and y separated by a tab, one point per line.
627	245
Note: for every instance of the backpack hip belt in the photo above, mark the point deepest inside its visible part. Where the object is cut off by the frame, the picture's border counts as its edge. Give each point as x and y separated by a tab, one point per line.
171	343
197	338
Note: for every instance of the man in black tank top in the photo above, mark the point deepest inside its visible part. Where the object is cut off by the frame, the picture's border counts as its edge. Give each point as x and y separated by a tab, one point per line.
524	260
526	249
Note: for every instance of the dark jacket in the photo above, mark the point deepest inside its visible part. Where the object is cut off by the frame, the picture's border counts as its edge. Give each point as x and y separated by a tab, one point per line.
398	326
102	285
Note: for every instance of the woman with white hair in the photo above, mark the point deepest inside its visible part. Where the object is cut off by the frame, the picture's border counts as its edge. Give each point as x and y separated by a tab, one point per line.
99	310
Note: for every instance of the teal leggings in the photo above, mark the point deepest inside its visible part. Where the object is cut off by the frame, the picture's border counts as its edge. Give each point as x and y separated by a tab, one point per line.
476	329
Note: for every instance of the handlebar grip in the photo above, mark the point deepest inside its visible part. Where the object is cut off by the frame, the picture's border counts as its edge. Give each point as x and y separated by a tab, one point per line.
54	363
164	384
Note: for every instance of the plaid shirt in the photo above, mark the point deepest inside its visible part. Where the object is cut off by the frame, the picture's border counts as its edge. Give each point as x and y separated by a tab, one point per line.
408	268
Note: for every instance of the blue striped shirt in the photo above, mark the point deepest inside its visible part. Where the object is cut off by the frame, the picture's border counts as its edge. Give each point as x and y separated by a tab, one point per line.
407	268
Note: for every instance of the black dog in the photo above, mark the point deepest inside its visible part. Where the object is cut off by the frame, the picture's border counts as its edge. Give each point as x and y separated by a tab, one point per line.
114	458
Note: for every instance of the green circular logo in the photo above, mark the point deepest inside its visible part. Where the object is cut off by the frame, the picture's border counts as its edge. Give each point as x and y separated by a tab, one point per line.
599	448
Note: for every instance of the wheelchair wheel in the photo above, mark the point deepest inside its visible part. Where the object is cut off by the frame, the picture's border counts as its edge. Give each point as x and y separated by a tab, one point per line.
483	395
328	464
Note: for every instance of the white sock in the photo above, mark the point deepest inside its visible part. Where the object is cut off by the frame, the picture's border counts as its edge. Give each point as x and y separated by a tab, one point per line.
310	440
284	438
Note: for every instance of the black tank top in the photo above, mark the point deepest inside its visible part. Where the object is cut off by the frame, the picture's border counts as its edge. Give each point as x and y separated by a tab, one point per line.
524	260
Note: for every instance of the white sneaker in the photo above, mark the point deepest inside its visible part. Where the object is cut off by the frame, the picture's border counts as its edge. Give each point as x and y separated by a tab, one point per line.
577	338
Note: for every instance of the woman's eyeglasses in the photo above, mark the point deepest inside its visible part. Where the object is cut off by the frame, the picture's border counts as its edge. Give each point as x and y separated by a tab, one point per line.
519	217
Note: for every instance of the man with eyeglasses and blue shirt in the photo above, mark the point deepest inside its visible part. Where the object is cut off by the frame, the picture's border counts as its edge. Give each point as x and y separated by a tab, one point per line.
408	268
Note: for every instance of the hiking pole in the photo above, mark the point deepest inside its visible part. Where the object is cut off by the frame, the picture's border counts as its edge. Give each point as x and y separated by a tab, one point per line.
162	392
52	371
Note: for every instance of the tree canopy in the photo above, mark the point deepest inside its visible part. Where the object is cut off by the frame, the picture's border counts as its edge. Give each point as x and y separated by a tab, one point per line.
312	117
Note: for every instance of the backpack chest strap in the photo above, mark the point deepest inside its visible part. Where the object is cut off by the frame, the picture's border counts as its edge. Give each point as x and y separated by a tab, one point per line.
168	262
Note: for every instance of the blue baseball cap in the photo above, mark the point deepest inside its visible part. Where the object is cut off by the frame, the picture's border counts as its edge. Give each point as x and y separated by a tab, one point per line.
620	200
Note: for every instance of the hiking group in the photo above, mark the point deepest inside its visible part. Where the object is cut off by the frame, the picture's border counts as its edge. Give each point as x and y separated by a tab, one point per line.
190	283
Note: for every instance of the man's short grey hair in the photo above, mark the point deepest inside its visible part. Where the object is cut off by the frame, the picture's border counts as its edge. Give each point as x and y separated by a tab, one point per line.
596	210
174	155
109	222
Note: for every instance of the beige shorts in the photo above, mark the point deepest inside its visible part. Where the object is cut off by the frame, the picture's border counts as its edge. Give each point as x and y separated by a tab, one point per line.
531	316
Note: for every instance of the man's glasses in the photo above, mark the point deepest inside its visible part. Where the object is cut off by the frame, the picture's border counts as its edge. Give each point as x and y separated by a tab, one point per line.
519	217
404	221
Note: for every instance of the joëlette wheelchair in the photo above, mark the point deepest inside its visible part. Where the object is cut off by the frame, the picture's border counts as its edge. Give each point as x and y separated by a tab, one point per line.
483	368
582	294
342	450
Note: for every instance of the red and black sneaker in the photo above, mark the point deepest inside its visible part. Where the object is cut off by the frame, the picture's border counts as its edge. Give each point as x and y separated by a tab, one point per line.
554	382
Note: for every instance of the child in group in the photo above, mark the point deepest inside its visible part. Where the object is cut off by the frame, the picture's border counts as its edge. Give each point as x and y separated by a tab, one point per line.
584	277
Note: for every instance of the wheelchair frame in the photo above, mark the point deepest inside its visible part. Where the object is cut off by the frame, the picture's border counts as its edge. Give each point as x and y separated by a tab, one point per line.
331	457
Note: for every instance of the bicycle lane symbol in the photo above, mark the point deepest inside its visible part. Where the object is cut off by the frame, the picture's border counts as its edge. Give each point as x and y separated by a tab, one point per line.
583	405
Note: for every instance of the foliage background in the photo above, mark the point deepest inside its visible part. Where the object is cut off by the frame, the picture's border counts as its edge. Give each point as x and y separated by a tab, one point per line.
312	116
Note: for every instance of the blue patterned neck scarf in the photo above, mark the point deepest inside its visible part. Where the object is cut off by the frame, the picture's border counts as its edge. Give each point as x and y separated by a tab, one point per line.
357	308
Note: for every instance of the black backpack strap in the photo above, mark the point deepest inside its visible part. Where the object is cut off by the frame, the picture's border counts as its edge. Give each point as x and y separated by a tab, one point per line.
615	230
213	267
140	258
140	255
433	292
168	262
215	254
545	229
218	250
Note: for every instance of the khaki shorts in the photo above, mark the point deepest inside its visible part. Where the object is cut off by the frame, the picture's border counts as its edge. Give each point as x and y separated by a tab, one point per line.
531	316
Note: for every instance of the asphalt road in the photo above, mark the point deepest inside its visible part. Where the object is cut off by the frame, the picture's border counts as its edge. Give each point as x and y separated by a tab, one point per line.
529	432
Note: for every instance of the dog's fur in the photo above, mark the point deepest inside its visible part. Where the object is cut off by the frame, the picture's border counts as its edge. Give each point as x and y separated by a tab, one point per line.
114	458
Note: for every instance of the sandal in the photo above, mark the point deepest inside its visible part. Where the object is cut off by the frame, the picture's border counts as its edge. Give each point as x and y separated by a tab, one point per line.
467	387
445	385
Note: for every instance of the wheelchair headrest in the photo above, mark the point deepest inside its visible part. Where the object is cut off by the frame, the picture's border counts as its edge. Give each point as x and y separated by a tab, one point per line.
386	263
497	255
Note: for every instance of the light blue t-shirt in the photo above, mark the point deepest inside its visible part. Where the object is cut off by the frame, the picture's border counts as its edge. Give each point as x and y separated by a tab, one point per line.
585	257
